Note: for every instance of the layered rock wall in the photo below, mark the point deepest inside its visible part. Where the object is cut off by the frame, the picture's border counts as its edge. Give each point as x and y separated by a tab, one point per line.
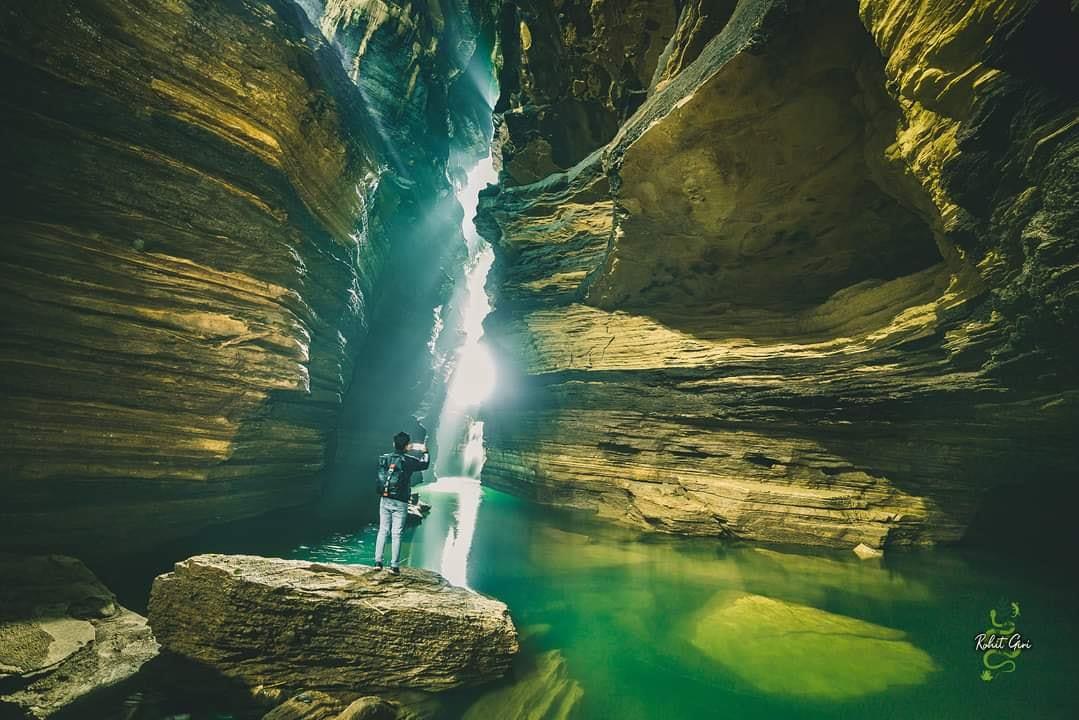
201	204
819	287
784	270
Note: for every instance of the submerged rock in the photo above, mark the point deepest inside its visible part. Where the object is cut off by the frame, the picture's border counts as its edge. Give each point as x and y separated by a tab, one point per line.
320	706
368	708
307	706
865	552
62	634
784	648
542	690
339	629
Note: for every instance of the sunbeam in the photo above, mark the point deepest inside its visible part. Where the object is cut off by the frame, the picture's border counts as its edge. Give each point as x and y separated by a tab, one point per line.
459	434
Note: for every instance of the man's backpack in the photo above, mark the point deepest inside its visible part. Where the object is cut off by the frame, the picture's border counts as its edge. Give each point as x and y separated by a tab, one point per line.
391	478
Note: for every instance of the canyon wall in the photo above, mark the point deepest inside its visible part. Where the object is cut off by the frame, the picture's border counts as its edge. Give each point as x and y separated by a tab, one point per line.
205	205
783	270
787	271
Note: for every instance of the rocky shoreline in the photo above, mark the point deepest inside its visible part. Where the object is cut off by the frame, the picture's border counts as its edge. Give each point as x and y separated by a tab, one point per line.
304	640
63	635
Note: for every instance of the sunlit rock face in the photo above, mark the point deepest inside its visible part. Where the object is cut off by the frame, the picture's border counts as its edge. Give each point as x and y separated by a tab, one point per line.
202	203
817	288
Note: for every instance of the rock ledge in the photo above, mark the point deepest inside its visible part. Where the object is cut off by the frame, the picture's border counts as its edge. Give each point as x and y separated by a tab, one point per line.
346	630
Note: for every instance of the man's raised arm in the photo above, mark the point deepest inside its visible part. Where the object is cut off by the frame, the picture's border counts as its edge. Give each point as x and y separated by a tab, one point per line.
421	463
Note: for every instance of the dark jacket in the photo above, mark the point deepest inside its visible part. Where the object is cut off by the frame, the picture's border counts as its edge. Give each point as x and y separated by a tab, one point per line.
409	465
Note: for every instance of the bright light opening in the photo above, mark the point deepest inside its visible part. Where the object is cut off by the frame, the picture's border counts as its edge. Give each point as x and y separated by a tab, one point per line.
474	374
472	380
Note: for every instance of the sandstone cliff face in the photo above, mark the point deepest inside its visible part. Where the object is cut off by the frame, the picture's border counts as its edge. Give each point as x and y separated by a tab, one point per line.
201	204
818	287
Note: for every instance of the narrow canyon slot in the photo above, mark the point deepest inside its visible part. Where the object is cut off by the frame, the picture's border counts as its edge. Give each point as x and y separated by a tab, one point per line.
538	359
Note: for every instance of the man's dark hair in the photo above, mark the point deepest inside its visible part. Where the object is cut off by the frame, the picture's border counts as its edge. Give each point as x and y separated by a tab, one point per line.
401	441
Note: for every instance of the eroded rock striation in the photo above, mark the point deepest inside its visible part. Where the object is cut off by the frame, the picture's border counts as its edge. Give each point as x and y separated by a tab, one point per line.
784	270
818	286
542	689
201	204
343	630
63	635
320	706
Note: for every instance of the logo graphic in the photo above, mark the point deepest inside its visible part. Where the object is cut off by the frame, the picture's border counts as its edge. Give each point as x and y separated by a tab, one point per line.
1000	644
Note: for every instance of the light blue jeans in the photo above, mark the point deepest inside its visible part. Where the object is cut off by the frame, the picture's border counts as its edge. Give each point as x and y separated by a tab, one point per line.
391	518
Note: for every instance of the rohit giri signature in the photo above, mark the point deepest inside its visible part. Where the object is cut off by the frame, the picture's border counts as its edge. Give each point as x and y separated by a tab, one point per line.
1001	644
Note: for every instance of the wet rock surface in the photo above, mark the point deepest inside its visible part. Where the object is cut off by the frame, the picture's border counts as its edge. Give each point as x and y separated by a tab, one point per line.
817	288
292	626
542	690
320	706
62	635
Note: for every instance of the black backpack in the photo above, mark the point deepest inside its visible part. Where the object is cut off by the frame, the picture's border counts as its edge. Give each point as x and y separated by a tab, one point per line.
391	475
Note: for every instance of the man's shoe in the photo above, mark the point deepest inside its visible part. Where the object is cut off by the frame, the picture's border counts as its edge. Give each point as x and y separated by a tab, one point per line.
378	565
395	571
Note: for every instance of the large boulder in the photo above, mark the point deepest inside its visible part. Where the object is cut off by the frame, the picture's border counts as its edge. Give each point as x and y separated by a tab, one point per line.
62	634
542	690
291	626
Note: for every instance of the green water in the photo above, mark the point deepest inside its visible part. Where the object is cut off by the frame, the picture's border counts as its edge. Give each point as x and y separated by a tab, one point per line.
636	627
616	624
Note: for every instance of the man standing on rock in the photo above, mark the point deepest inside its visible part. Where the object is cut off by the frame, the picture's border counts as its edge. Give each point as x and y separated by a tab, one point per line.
394	488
